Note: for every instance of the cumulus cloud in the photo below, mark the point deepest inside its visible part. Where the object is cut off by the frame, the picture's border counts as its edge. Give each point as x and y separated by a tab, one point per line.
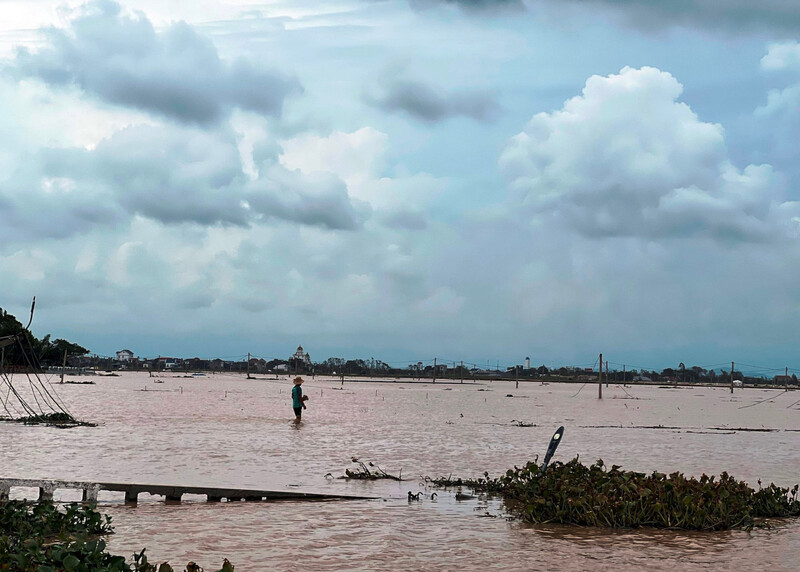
785	102
429	104
358	159
782	56
626	158
174	73
307	199
167	173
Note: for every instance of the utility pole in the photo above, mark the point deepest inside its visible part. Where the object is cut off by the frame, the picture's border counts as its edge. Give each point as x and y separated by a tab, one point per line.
607	376
624	379
248	365
434	370
600	379
63	366
462	371
731	377
516	376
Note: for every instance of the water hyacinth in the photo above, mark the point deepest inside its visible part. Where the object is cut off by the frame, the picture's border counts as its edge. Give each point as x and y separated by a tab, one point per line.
45	537
572	493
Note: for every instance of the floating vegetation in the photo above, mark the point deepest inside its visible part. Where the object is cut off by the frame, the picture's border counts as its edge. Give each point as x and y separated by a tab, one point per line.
363	472
40	537
516	423
572	493
59	419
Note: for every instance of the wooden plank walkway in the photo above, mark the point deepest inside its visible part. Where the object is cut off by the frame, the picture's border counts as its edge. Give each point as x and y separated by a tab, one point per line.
172	493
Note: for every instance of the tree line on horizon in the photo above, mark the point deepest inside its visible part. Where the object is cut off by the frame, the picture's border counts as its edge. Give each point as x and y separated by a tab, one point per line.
50	352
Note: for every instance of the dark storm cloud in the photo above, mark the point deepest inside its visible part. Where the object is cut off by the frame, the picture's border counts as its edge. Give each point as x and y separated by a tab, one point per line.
726	14
731	15
174	73
423	102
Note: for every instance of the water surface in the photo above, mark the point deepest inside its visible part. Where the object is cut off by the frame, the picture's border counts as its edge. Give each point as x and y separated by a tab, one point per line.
225	430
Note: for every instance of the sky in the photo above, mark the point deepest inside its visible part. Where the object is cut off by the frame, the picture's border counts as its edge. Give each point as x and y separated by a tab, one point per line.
405	179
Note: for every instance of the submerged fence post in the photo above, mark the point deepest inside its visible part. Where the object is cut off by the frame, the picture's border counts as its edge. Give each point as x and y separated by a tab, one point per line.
731	377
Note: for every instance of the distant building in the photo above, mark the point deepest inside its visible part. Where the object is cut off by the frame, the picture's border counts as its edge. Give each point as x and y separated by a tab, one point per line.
527	363
168	362
124	355
300	361
301	356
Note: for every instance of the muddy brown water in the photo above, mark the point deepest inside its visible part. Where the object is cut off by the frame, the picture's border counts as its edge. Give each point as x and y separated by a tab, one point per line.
225	430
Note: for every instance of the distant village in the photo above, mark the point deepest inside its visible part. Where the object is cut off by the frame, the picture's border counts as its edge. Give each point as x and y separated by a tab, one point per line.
300	363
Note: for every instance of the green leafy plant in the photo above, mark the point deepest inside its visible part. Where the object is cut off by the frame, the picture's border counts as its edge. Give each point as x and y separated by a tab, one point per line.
572	493
43	537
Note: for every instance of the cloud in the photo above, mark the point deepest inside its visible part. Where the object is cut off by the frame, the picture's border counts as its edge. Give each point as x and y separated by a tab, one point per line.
425	103
625	158
171	174
782	56
174	73
474	6
358	159
308	199
731	15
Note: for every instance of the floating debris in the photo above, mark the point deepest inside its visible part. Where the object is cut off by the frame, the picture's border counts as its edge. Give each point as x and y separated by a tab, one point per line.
60	419
363	472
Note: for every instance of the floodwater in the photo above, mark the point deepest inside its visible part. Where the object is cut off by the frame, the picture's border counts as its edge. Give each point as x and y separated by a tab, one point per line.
225	430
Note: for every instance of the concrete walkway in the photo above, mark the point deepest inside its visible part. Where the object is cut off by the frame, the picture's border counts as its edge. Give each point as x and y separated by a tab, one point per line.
172	493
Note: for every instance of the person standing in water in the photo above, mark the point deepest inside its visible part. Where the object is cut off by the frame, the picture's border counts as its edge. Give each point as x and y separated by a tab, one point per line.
298	399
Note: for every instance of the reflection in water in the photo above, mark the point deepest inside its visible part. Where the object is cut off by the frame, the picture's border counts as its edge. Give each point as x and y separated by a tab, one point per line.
228	431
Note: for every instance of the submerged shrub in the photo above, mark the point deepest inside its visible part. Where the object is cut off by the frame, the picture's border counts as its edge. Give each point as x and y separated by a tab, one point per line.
572	493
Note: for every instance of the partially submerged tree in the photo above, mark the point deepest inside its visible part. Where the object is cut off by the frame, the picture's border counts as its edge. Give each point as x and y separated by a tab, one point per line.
45	351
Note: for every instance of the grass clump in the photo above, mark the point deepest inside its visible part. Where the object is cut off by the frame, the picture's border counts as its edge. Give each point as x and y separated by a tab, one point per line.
572	493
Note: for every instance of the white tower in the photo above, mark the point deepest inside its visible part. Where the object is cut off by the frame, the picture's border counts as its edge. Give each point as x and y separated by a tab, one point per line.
527	363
